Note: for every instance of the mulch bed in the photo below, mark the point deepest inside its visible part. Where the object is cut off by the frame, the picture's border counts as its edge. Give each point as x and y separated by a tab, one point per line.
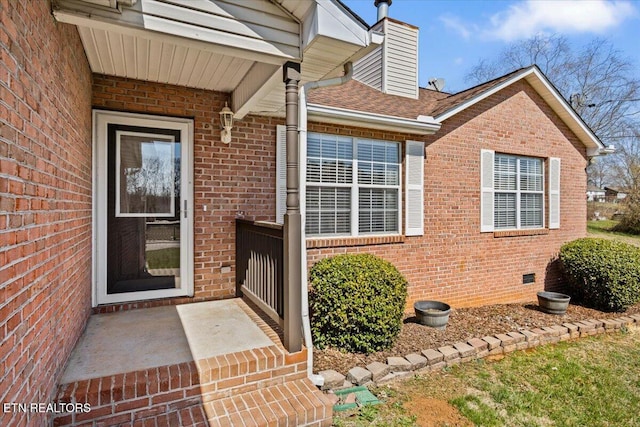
464	324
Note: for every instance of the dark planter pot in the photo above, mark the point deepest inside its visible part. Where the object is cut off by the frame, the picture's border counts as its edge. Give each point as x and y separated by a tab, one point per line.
553	302
432	313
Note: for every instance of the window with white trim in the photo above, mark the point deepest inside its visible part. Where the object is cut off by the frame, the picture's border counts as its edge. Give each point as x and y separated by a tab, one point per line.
518	192
352	186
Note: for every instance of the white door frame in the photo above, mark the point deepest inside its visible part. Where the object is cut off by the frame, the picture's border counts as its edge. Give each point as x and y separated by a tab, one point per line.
101	120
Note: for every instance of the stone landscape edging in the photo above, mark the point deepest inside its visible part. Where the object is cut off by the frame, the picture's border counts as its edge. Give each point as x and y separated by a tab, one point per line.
397	367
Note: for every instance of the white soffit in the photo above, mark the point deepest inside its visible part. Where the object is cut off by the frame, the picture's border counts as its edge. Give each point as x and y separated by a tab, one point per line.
154	60
220	45
198	43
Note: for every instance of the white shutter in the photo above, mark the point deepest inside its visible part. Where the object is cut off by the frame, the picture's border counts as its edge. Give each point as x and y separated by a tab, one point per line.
486	190
281	173
554	192
414	203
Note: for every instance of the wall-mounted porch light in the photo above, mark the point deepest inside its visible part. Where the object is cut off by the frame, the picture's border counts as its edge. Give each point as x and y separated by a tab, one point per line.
226	123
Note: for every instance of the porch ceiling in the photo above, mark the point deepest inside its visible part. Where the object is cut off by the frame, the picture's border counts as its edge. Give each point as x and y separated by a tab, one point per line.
217	45
137	57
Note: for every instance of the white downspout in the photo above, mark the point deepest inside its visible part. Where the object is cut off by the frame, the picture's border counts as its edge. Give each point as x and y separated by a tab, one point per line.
318	380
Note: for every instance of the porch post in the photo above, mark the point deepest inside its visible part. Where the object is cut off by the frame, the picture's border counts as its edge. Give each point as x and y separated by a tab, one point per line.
292	220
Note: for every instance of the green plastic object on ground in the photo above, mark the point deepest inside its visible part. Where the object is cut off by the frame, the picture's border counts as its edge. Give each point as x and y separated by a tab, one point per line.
362	394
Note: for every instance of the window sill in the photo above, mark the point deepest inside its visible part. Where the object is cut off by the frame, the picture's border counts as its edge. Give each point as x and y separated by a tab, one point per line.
518	233
331	242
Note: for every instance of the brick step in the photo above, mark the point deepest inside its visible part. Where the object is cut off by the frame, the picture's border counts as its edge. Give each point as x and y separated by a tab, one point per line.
293	403
129	398
237	373
178	390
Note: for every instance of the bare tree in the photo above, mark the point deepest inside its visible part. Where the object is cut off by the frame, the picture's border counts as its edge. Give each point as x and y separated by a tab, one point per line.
597	79
626	169
599	171
551	53
626	164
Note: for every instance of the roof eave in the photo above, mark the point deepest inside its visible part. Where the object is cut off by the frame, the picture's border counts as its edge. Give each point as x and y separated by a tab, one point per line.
550	94
423	125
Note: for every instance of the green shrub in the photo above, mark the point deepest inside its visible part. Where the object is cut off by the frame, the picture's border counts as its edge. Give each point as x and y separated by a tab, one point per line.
602	273
356	303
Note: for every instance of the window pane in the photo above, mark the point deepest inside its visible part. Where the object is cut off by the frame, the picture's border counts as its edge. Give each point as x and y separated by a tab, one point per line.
531	210
505	210
530	183
345	148
391	221
378	163
531	174
313	146
146	175
393	174
390	199
329	148
505	172
379	152
313	198
393	153
343	223
328	210
365	173
378	174
365	150
327	223
329	168
313	170
312	223
344	172
329	159
378	210
531	166
327	198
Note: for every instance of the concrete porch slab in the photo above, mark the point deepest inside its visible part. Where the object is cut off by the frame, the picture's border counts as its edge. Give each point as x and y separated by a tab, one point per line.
145	338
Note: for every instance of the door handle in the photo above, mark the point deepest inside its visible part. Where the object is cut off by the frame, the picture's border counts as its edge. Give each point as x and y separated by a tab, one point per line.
185	208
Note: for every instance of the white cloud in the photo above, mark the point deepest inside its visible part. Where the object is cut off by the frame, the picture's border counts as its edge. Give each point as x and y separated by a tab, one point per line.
458	61
531	17
454	23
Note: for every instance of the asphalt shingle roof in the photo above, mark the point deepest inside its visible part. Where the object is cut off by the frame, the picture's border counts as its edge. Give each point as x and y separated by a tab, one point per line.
358	96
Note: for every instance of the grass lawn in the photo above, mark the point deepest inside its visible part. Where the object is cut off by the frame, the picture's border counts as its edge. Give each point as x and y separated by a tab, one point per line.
590	382
164	258
602	229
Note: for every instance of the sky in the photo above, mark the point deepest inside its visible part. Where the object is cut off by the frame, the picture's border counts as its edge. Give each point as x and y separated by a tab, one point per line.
456	34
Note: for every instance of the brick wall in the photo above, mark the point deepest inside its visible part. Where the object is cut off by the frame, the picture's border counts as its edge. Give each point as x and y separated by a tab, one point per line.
228	179
45	203
453	261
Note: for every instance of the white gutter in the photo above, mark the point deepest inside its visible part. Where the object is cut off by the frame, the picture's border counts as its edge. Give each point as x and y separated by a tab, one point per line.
593	152
302	138
423	125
